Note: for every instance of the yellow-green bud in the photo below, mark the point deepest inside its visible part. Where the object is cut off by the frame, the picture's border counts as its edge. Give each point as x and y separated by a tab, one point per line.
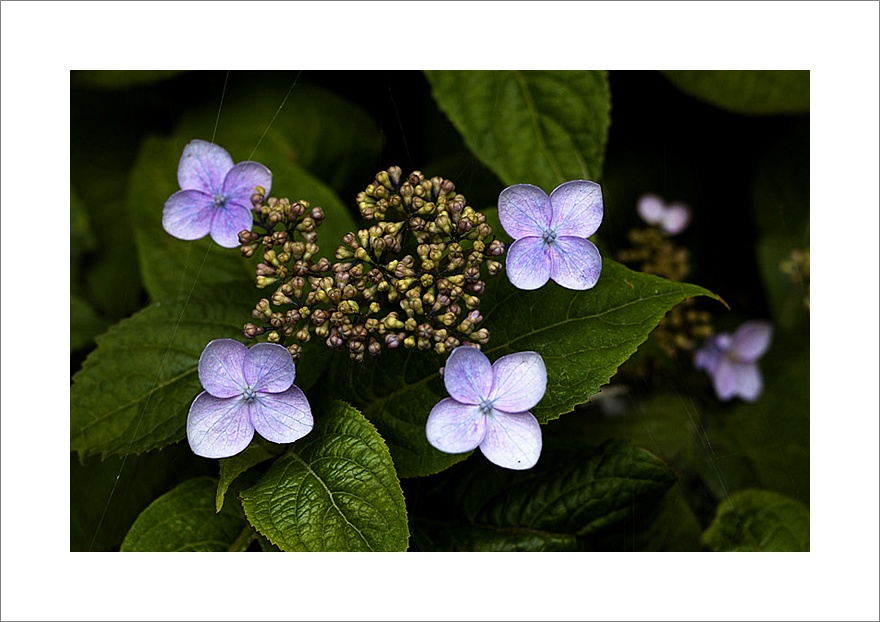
391	322
348	307
405	284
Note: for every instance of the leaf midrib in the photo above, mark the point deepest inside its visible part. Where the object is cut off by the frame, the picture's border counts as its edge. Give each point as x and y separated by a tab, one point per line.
536	124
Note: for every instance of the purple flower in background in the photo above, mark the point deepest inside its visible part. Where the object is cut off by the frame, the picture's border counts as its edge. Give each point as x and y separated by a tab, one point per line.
551	234
215	195
489	407
732	360
245	389
670	219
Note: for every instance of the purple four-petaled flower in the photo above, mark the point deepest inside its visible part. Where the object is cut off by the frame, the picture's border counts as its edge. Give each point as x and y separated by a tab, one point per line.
670	219
551	234
732	360
488	407
215	195
246	389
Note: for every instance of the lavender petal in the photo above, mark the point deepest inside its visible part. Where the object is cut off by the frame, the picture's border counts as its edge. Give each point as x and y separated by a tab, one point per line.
203	166
218	428
228	221
269	368
221	368
282	417
751	340
577	208
524	210
454	427
520	381
187	214
243	178
528	263
513	441
575	263
468	375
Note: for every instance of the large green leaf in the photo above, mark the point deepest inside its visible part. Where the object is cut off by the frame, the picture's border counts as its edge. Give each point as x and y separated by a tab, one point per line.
538	127
335	490
184	519
572	495
748	92
135	389
758	520
582	336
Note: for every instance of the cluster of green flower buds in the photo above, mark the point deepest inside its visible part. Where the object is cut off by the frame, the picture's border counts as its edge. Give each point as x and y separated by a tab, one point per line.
412	279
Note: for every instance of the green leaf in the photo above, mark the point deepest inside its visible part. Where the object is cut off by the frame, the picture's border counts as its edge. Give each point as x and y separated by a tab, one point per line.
232	467
85	323
748	92
184	519
119	79
575	493
335	490
538	127
758	520
134	391
583	337
439	536
566	497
